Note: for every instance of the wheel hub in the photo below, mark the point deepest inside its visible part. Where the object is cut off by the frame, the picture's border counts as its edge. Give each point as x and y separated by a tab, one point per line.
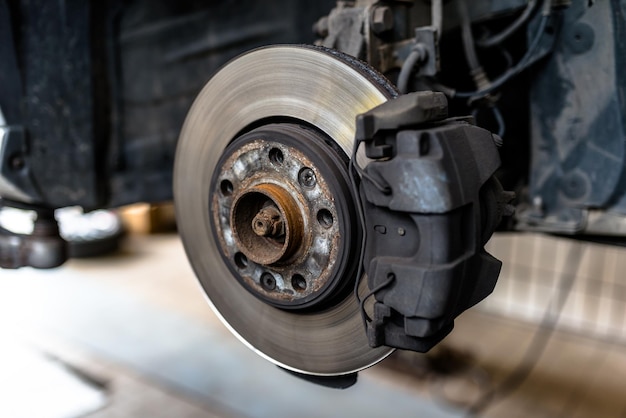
282	231
266	222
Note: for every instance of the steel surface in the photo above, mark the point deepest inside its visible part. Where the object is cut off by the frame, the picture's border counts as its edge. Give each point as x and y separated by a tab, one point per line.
326	90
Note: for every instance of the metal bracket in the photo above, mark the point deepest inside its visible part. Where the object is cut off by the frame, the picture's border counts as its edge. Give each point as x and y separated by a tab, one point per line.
407	110
427	38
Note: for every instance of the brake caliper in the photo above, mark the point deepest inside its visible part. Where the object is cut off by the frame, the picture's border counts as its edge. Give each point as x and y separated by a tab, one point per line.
430	202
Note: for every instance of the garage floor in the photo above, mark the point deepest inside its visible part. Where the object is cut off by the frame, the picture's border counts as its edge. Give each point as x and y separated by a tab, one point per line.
134	329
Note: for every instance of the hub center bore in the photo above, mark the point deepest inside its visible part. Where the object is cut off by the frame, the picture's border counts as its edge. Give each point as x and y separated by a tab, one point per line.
267	224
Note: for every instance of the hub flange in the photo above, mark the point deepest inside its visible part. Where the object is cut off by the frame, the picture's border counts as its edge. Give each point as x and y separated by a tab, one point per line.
283	215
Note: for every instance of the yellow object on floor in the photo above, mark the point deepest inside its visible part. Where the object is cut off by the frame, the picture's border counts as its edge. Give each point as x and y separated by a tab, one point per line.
149	218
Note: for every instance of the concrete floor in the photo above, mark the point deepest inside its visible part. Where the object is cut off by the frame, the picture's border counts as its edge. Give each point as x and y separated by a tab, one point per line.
136	324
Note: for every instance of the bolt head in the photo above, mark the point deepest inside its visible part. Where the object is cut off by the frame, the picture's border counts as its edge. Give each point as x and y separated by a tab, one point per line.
268	222
268	282
307	177
261	227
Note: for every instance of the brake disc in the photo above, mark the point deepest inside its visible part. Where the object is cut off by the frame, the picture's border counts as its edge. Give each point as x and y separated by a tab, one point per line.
264	207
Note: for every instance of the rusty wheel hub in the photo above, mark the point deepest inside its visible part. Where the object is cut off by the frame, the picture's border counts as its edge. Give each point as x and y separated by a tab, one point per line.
283	215
267	223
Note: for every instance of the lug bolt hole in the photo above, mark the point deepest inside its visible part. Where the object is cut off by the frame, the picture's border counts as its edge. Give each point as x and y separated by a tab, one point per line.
276	156
241	260
298	282
268	282
226	187
325	218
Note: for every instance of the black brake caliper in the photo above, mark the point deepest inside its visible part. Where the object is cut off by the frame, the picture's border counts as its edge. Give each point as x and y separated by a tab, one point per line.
430	204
